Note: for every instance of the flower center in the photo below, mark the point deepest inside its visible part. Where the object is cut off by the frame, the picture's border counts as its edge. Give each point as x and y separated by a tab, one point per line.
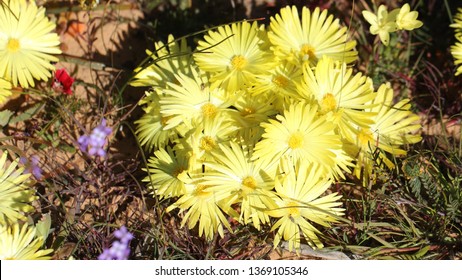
209	110
13	45
177	172
280	81
238	62
328	103
164	120
201	191
307	53
249	182
207	143
295	140
365	137
247	111
294	209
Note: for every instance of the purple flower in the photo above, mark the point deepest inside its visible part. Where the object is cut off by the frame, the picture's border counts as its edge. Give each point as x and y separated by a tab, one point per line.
95	142
120	249
32	166
123	234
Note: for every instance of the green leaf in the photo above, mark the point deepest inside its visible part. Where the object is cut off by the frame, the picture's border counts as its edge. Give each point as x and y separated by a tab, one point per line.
43	226
5	117
29	113
67	148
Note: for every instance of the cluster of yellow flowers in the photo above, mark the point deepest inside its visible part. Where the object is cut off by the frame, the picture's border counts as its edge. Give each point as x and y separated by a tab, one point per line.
384	23
258	121
27	46
16	195
456	49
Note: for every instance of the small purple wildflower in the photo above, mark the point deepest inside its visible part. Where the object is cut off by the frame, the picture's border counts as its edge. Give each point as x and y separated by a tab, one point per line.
124	235
94	143
120	249
32	166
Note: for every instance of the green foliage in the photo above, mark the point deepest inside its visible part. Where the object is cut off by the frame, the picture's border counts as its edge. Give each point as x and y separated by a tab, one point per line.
5	117
437	192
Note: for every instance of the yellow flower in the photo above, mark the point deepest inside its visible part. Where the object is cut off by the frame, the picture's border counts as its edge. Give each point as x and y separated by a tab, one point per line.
15	192
383	23
307	39
150	129
234	55
249	112
204	139
243	181
21	243
5	90
406	19
192	101
279	81
203	206
166	61
279	84
456	51
394	126
27	43
340	95
300	135
300	205
457	22
167	172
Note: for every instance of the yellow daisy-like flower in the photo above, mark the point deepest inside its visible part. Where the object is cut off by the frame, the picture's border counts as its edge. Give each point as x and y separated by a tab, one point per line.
456	51
5	90
394	126
383	23
167	172
203	140
249	112
192	101
280	80
167	61
254	110
457	22
280	84
27	43
21	243
301	135
150	129
203	206
234	55
307	39
300	205
241	181
15	192
406	19
340	95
